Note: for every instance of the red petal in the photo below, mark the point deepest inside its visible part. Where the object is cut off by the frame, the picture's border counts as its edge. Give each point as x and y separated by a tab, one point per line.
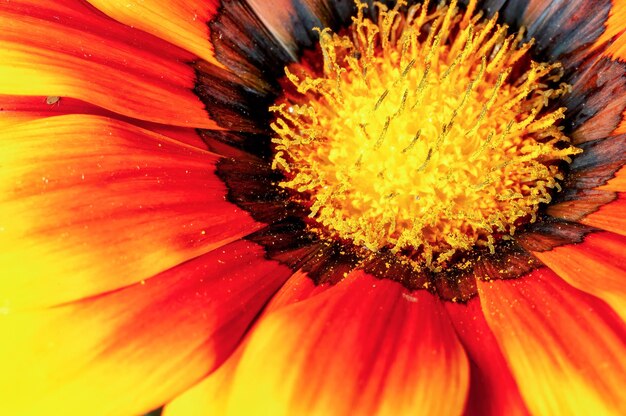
91	204
183	23
18	109
493	391
596	266
129	351
364	346
66	49
566	349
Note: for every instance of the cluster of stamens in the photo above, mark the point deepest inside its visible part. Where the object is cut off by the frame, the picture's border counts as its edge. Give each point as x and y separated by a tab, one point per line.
427	132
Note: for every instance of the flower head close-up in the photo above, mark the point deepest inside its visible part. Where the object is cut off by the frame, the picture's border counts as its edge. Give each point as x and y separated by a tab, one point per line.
312	207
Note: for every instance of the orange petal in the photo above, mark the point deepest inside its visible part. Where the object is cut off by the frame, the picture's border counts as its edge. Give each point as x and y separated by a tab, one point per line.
617	183
362	347
613	33
621	128
183	23
65	49
610	217
200	400
566	349
298	288
493	391
15	109
131	350
90	204
9	119
596	266
18	109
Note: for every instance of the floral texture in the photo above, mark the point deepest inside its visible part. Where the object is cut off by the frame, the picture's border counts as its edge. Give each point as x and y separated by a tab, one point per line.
160	249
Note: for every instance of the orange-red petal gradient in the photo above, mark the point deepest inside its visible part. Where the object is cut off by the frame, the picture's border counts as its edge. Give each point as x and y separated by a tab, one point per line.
68	49
202	399
614	32
566	349
493	391
596	266
18	109
181	22
129	351
362	347
90	204
610	217
617	183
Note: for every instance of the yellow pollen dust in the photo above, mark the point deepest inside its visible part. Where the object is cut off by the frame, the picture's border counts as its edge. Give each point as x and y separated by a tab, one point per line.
427	132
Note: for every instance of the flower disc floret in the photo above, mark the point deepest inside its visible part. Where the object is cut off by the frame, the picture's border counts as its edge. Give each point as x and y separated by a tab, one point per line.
427	132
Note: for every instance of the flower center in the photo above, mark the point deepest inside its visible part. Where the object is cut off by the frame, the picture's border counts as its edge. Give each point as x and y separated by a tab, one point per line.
426	132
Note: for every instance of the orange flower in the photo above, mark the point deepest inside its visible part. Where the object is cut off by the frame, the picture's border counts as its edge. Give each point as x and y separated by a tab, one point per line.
158	248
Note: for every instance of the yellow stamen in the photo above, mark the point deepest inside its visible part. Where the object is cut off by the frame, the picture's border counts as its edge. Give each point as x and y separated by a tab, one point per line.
424	134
